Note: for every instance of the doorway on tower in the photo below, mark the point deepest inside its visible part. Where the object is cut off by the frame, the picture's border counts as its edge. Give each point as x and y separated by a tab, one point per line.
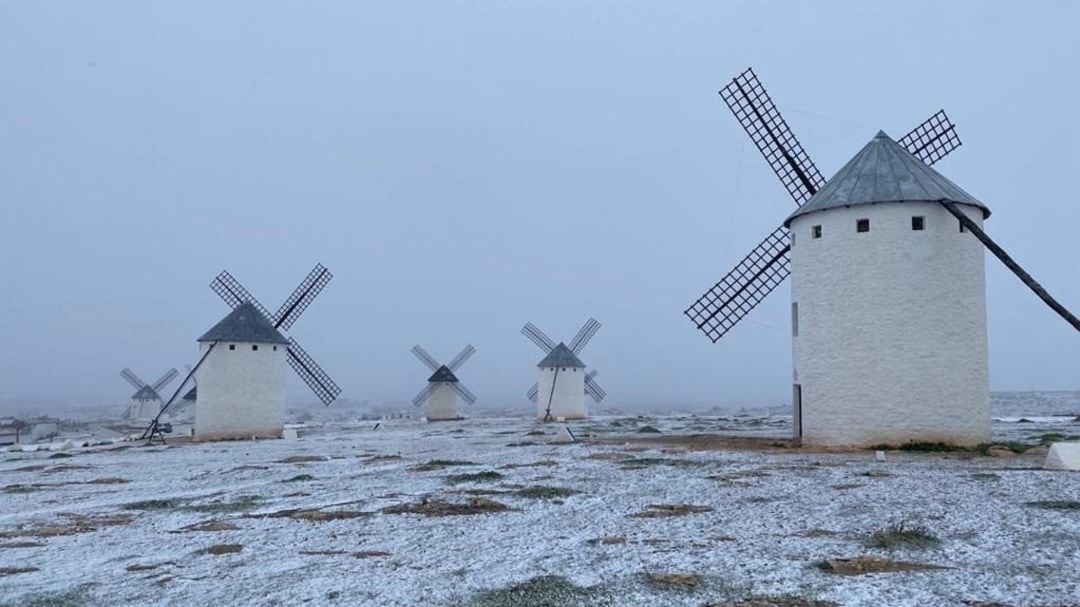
796	411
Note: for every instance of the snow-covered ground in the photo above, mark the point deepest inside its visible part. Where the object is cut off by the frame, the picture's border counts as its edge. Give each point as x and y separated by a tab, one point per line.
72	533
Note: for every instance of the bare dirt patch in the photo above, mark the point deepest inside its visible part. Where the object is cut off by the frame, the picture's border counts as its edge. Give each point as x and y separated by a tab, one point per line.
436	507
860	565
669	510
610	540
69	525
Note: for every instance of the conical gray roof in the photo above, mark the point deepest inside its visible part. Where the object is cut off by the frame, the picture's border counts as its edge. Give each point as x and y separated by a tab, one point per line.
561	356
443	373
246	324
885	172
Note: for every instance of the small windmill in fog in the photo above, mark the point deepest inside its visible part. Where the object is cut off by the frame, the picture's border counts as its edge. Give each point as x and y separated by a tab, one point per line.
562	383
443	388
146	401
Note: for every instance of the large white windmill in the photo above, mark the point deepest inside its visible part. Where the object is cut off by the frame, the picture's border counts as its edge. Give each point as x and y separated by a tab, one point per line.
443	387
241	367
888	293
562	383
146	401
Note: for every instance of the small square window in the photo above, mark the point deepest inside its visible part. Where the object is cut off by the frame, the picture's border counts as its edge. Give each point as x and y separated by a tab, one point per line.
254	347
275	348
918	223
232	346
815	232
862	225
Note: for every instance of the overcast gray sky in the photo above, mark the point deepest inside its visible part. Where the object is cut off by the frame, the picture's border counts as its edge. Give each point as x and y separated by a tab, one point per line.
464	167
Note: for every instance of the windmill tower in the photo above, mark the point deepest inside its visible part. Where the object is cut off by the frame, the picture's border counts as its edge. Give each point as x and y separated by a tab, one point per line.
241	369
562	383
146	401
443	388
888	296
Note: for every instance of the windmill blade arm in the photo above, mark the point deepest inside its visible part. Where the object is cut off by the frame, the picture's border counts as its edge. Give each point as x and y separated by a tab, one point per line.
422	355
533	392
1010	263
132	379
729	300
933	139
756	112
164	379
593	389
462	356
424	394
463	392
233	293
302	297
313	375
538	337
583	336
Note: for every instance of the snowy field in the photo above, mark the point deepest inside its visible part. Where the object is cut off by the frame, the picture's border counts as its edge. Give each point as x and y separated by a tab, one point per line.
291	522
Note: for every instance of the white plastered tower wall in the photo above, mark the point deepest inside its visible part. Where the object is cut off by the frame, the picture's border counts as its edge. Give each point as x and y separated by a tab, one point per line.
889	326
441	403
143	408
568	398
241	391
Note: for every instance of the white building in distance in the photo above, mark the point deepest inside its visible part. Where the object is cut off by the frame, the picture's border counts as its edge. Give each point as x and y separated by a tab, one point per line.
241	381
888	306
561	384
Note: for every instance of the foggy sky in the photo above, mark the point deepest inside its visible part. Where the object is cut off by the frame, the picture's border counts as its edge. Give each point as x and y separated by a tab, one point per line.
463	168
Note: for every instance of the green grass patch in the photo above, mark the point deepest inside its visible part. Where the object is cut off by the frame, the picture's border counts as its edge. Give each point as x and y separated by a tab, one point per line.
1072	505
941	447
543	591
902	535
66	598
60	456
526	443
1057	437
475	477
239	504
544	492
166	504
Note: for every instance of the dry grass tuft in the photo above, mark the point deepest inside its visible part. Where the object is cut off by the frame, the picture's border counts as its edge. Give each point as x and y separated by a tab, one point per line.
540	464
210	525
669	510
860	565
901	535
668	581
72	524
367	554
610	540
439	464
436	507
303	459
608	455
774	601
475	477
22	545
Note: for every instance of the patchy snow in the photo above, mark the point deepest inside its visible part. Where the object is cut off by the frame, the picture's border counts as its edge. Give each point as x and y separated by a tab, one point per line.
773	514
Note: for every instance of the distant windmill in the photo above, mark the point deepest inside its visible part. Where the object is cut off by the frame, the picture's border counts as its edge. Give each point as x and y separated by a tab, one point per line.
146	402
563	383
888	295
443	388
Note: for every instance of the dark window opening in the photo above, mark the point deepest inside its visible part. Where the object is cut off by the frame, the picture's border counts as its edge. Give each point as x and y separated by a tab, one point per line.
232	346
862	225
918	223
815	232
794	319
254	347
275	348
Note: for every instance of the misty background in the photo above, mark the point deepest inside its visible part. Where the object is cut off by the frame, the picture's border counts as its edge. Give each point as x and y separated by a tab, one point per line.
465	167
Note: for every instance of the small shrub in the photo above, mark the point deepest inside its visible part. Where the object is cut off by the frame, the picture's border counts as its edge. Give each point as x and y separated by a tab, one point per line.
543	591
1072	505
542	492
902	535
475	477
166	504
